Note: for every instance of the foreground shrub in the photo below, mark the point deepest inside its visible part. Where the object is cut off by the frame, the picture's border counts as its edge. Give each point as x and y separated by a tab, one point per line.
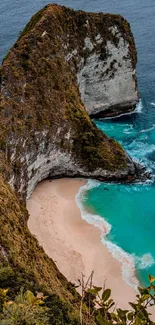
26	309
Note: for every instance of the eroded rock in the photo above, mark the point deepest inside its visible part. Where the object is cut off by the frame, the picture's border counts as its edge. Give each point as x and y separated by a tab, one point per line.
45	129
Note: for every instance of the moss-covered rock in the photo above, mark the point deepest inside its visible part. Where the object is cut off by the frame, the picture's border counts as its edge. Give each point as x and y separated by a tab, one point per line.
45	129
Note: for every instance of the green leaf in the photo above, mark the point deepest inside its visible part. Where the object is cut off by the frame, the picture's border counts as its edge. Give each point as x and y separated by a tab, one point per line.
106	294
151	278
90	290
142	315
114	317
97	289
140	290
121	313
134	306
110	301
29	296
145	297
111	305
143	291
102	320
130	316
125	311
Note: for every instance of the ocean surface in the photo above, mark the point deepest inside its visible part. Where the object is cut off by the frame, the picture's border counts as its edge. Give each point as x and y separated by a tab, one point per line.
125	212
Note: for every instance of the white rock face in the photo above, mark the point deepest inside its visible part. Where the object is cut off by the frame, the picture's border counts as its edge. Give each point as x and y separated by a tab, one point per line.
48	160
57	163
99	39
88	44
105	83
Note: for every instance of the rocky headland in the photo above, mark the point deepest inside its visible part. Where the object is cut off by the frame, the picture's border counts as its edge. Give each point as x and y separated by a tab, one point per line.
65	66
45	127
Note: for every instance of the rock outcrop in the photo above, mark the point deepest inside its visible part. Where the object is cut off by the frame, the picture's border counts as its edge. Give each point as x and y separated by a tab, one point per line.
107	77
45	130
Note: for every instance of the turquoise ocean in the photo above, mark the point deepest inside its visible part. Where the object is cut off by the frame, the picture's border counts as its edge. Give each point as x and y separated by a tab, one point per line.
126	213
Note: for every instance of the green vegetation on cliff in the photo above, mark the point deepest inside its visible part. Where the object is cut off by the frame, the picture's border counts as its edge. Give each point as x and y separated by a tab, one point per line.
23	262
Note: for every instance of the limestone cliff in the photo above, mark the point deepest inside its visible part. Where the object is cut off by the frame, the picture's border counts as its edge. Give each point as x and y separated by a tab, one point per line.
107	73
45	130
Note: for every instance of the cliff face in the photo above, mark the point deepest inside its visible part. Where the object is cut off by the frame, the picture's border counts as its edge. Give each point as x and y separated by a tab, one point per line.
45	130
107	75
107	84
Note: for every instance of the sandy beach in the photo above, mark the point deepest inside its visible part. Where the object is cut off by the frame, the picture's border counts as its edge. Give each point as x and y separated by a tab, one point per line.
71	242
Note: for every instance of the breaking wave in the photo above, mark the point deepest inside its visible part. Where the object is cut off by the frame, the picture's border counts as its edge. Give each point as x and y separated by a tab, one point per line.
145	261
148	130
138	109
92	219
129	262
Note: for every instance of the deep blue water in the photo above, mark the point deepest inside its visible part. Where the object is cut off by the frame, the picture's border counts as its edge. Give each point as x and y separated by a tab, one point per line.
129	209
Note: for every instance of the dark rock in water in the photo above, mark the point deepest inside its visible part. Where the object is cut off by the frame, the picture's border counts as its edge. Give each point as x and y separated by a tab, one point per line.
115	110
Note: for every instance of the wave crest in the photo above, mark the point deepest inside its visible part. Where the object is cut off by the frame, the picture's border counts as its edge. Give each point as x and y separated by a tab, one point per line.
139	107
145	261
92	219
127	261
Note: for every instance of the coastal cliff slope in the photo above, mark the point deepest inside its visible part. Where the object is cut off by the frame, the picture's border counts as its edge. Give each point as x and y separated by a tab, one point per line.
45	130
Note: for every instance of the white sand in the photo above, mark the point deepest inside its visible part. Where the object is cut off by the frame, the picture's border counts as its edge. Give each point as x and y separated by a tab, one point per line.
72	243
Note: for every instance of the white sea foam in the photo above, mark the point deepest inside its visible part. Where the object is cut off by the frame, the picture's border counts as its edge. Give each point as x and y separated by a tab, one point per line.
142	148
89	185
92	219
150	149
129	262
138	109
152	104
144	261
148	130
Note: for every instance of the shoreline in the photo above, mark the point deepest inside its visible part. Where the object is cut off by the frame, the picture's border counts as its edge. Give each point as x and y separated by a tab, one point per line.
73	244
125	259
